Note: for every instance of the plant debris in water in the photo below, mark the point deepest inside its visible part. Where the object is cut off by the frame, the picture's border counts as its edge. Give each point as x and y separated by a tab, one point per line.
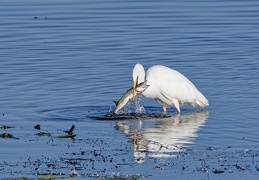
43	134
7	135
218	171
70	130
37	126
5	127
66	136
20	178
69	133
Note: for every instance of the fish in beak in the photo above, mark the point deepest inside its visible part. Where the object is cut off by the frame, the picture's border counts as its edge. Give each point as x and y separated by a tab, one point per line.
128	96
135	83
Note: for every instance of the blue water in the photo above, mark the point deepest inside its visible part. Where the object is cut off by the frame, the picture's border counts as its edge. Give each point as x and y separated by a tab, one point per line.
63	63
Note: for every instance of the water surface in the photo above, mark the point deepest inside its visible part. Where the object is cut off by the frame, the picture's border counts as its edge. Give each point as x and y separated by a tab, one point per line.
64	63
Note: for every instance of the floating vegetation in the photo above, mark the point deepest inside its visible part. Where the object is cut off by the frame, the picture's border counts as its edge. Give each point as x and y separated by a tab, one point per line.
7	135
37	126
5	127
70	130
43	134
66	136
120	176
36	17
20	178
47	178
218	171
69	133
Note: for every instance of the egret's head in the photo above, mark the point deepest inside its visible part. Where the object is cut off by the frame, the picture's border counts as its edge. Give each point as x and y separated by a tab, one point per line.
138	75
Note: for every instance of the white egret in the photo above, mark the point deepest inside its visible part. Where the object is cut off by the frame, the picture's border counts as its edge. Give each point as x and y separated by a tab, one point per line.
168	87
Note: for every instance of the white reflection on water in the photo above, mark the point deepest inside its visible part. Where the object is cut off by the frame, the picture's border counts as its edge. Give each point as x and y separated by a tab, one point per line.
162	137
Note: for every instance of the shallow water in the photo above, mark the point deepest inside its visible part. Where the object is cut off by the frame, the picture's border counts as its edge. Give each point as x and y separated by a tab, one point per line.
65	63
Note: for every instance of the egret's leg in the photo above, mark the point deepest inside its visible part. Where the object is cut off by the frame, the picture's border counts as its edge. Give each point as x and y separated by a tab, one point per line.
164	108
176	105
135	140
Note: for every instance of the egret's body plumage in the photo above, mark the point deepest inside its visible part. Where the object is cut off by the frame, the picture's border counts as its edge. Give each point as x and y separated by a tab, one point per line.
169	87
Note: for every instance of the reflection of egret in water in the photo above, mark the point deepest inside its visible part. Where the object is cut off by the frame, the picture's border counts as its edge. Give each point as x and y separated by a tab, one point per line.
162	137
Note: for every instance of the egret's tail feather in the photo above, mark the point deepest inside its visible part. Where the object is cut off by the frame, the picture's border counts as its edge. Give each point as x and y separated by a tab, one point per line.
202	104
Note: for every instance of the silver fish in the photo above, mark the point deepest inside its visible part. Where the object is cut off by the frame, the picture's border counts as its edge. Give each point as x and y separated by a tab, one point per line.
128	96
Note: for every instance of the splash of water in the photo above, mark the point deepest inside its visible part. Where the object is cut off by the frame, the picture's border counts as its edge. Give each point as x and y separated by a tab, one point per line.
139	107
135	106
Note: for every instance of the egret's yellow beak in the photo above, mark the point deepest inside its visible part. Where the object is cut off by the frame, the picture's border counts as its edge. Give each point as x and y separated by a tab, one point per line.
135	83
